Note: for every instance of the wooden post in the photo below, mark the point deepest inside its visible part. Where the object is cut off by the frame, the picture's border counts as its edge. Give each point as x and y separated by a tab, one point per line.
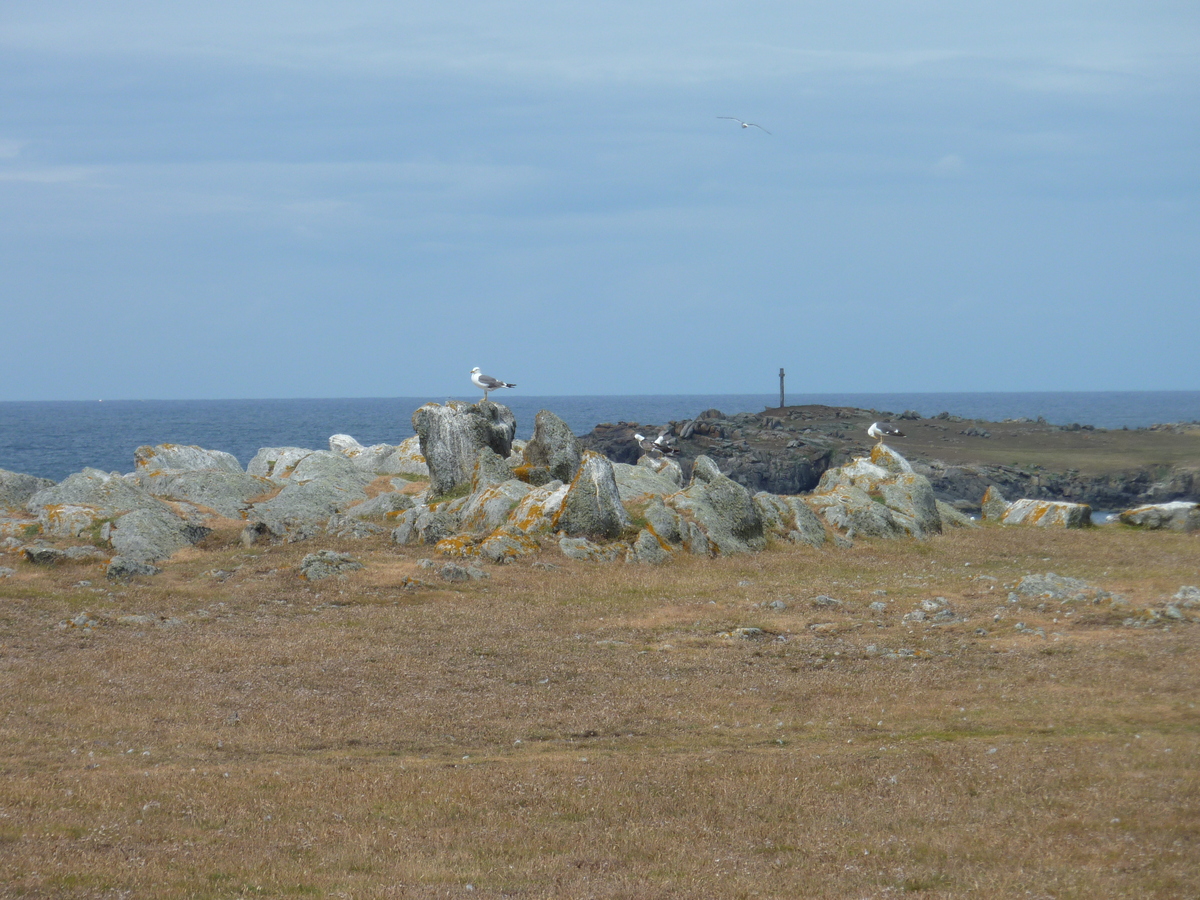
781	403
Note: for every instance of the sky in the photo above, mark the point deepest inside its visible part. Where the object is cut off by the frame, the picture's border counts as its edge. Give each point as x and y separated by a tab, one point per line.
260	199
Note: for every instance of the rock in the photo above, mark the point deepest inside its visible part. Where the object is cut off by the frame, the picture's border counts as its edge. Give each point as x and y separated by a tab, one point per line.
1047	514
953	517
429	524
634	481
890	461
911	495
382	459
226	493
1188	596
451	437
506	544
455	572
150	535
993	505
649	548
723	509
553	448
790	518
582	548
6	572
592	506
317	486
276	463
178	458
490	469
120	567
536	511
327	564
1179	515
1062	588
387	506
16	489
350	528
488	509
43	556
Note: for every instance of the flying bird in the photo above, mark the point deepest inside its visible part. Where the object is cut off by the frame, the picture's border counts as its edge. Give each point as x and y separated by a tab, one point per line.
744	124
487	382
880	430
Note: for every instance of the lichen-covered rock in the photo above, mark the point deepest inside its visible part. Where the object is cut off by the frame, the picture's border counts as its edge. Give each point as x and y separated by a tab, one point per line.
224	492
993	506
382	459
276	463
180	458
536	511
650	549
490	469
553	448
387	505
506	544
583	549
592	506
429	524
352	529
634	481
16	489
790	518
451	437
489	509
1181	515
1047	514
318	486
954	518
880	498
328	564
723	509
150	535
120	567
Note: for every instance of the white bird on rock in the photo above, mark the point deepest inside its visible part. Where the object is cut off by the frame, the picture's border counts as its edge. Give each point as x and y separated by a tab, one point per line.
744	124
487	382
880	430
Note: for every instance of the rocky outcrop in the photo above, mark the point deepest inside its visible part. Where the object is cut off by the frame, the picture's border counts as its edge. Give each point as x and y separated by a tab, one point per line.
724	510
592	506
179	458
316	487
879	498
16	489
553	454
451	437
1047	514
1177	516
404	458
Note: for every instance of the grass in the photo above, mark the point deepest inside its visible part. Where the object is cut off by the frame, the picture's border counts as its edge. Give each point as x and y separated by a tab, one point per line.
589	730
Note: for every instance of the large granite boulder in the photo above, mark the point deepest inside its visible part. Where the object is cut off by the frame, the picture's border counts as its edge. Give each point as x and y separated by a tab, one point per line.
1180	515
451	437
317	486
383	459
553	450
592	507
635	481
226	493
489	508
877	497
723	510
1047	514
790	518
180	458
277	463
16	489
151	534
993	506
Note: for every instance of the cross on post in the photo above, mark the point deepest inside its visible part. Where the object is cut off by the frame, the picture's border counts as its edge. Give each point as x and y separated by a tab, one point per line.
781	403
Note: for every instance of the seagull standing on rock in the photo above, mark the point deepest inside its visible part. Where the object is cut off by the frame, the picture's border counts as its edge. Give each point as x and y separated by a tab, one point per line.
487	382
880	430
656	448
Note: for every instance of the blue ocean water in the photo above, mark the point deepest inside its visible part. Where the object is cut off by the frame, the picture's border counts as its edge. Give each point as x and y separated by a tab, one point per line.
52	439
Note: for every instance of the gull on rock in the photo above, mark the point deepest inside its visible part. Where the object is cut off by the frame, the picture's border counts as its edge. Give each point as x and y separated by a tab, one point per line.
487	382
660	446
880	430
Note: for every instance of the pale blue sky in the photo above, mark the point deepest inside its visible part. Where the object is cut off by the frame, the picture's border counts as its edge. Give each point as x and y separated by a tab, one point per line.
300	199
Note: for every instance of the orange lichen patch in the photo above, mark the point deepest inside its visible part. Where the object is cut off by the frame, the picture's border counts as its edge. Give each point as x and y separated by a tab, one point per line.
463	545
414	487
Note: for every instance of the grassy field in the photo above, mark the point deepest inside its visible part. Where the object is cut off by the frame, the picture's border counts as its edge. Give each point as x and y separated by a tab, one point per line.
605	730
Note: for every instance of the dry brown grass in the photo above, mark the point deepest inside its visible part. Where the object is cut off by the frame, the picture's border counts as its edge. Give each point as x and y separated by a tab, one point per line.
588	731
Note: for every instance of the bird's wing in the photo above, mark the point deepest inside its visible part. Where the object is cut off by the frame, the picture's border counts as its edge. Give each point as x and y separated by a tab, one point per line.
735	118
759	127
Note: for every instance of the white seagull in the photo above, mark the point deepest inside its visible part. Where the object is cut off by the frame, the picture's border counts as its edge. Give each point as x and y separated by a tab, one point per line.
880	430
744	124
487	382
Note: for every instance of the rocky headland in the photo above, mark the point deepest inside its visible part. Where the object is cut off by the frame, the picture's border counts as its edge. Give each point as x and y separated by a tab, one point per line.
466	489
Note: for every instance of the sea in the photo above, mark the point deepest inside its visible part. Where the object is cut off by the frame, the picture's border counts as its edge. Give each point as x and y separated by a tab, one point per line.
53	439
